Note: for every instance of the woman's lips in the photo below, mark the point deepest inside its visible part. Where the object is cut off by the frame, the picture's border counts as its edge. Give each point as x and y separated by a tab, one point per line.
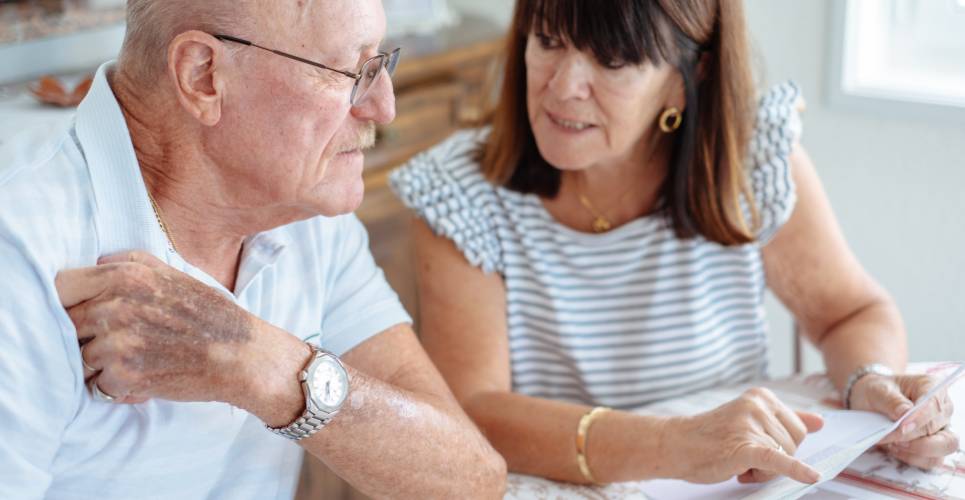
569	125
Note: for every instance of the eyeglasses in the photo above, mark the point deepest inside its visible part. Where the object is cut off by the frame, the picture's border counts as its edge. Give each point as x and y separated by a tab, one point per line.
367	76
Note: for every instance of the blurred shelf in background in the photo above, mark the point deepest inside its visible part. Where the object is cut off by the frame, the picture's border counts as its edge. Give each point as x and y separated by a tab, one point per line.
24	20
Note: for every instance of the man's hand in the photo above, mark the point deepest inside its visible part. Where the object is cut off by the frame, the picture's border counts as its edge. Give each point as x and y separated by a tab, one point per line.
923	440
150	331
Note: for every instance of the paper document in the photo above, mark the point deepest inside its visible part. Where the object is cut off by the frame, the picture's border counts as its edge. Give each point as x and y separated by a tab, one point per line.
844	437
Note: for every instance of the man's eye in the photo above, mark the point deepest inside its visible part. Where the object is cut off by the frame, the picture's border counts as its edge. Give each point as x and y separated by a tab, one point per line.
548	42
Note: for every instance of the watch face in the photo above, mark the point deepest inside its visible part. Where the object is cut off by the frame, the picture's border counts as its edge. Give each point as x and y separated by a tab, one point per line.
329	384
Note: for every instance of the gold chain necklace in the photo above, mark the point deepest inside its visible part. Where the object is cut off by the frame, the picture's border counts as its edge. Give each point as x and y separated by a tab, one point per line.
160	221
601	223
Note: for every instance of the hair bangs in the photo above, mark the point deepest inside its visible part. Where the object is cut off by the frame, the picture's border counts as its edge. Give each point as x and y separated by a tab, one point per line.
614	31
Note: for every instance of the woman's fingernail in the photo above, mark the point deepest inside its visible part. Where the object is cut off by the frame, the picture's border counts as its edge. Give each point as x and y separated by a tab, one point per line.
908	427
814	476
903	409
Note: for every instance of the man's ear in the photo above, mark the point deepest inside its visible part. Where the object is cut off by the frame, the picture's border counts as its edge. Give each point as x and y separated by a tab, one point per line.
193	63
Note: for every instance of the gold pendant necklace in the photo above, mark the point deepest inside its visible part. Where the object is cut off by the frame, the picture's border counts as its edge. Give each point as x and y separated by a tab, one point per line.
600	223
160	222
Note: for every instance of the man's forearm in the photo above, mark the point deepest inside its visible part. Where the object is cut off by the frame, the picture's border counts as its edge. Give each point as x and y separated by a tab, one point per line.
386	441
390	442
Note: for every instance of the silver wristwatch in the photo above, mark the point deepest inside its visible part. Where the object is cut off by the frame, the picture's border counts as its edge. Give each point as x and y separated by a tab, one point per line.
325	384
874	368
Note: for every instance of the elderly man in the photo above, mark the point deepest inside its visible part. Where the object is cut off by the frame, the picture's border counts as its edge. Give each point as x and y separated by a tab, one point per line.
171	255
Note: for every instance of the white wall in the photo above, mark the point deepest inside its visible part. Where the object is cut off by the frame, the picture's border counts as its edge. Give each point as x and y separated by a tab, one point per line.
498	10
897	186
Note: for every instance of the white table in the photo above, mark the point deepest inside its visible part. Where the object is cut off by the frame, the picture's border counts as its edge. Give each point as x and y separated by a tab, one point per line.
873	476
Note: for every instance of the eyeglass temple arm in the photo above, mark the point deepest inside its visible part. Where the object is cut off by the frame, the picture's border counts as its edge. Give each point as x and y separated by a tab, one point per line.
285	54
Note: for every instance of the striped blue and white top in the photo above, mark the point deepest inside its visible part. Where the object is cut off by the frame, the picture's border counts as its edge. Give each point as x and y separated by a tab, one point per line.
622	318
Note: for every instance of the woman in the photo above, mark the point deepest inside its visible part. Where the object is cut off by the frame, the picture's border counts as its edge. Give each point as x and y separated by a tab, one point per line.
606	242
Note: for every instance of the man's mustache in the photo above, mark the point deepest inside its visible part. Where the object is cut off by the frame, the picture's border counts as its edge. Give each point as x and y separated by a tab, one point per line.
365	139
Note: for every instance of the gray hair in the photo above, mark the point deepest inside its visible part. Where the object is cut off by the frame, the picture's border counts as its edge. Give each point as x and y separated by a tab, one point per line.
152	24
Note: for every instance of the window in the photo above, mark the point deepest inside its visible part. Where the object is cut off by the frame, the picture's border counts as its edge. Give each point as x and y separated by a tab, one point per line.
901	51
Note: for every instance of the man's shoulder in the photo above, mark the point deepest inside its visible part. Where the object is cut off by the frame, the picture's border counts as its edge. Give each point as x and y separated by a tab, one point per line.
45	197
40	163
42	231
32	148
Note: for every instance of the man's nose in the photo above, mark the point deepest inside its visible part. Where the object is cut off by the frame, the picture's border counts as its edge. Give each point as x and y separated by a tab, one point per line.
378	105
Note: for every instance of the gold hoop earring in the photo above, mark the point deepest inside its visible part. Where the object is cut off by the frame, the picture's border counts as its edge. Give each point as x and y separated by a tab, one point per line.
670	120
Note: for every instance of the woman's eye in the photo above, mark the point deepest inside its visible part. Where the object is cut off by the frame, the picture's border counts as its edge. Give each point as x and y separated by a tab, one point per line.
548	42
614	64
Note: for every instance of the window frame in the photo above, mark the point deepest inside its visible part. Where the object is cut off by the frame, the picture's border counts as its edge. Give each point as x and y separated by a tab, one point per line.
876	102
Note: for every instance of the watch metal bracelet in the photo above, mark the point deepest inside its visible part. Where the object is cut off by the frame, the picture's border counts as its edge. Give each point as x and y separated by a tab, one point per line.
313	418
302	428
872	369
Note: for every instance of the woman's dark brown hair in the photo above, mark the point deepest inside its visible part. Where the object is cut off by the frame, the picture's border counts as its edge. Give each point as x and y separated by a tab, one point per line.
706	180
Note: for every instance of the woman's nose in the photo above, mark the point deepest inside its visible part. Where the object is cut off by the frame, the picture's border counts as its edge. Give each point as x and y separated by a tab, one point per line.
572	78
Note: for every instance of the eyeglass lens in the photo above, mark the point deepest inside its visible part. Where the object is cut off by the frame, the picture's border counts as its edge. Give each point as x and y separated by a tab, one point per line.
371	72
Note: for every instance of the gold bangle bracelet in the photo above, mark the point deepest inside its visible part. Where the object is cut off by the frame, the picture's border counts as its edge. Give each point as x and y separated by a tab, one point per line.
585	422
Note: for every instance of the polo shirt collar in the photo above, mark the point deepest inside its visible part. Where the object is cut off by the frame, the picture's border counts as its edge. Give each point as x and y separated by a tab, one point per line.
124	217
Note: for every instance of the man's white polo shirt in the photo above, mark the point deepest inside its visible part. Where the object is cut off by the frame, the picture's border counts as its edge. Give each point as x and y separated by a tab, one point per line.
70	196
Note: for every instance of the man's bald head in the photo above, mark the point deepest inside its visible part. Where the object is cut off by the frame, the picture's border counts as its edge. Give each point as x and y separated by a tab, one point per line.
152	24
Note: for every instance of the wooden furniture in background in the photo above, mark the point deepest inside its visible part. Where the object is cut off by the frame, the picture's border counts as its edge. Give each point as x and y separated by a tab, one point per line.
439	87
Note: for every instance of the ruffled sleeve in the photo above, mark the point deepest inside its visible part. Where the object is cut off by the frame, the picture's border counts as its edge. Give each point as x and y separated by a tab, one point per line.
446	189
778	127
